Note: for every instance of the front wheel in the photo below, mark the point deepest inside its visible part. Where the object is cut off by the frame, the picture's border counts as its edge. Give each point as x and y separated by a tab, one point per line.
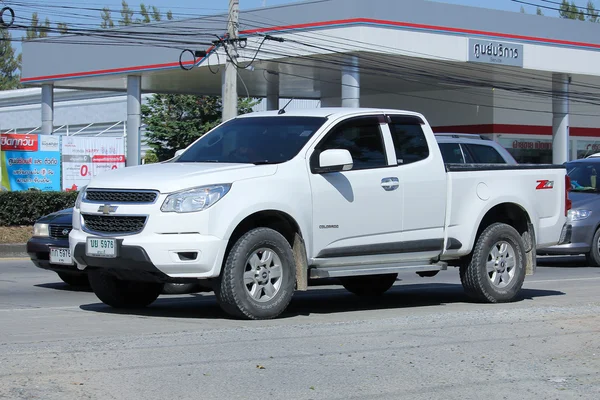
74	279
496	270
593	257
118	293
258	278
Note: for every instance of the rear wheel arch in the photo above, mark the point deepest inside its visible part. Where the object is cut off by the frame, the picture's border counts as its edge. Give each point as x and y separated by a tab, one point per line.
517	217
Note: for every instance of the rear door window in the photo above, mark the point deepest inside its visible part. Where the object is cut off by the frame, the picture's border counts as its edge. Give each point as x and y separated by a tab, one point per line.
409	140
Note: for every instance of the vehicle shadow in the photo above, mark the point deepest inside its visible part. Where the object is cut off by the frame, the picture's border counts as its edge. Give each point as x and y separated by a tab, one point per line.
316	301
563	261
64	287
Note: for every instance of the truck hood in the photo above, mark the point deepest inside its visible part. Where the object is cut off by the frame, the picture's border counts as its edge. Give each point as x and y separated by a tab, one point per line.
171	177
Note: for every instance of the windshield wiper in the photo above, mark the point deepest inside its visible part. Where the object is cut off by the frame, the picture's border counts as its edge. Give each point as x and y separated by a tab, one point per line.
584	189
264	162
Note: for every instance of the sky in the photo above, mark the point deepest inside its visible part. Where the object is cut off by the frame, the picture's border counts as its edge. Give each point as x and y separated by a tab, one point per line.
185	8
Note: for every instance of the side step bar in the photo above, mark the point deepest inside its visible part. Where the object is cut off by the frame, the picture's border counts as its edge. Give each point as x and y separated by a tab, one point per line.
377	269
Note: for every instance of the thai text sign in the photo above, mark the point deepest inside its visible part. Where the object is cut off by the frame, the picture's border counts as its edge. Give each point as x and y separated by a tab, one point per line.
30	162
86	157
491	52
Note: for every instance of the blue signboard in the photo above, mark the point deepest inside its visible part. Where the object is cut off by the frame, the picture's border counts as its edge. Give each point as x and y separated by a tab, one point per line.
30	162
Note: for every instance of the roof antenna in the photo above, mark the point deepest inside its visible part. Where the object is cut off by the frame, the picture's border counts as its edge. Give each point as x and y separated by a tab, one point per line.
282	111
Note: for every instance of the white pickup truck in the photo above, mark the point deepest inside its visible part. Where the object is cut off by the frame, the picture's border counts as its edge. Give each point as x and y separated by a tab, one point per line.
267	201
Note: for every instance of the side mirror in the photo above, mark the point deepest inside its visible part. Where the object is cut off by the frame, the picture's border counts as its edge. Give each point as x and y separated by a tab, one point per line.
179	152
335	160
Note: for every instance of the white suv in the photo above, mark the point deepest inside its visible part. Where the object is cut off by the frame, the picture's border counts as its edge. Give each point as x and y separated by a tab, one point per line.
465	148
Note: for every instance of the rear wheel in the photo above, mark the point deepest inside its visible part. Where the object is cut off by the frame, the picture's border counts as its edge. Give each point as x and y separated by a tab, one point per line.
593	257
496	270
369	285
258	278
118	293
74	279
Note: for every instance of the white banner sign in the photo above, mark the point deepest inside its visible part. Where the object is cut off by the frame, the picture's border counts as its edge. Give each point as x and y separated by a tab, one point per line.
85	157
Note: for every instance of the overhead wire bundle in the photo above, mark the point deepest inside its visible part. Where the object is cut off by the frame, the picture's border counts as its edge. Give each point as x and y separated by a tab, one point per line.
7	17
195	34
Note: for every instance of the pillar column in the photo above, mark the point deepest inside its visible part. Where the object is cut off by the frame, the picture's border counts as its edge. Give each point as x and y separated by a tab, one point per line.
134	119
272	91
47	109
560	118
351	83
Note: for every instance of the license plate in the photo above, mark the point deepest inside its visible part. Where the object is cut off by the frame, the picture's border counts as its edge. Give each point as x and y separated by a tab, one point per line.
60	255
101	247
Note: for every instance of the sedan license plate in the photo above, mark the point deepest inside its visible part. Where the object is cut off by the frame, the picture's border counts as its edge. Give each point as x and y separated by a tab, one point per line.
60	255
101	247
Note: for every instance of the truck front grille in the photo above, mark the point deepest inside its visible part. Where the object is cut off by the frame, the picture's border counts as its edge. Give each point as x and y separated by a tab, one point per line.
60	231
114	224
120	196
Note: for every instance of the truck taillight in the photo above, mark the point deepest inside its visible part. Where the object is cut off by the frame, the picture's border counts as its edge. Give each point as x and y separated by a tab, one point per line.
567	190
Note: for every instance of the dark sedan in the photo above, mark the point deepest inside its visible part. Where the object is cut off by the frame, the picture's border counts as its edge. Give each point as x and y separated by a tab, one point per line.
48	248
581	234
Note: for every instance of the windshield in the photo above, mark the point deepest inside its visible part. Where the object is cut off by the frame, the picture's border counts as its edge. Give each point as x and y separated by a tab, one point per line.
255	140
584	176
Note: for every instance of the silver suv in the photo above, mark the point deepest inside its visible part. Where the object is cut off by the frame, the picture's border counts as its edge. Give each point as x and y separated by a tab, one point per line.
466	148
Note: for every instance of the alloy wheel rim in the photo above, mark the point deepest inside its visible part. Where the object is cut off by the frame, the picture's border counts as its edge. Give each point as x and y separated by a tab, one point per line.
263	275
501	264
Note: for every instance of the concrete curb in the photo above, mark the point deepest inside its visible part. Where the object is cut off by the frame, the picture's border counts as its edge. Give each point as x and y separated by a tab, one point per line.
16	250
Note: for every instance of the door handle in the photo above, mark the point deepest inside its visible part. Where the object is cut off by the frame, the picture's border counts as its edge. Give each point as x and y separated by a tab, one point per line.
390	183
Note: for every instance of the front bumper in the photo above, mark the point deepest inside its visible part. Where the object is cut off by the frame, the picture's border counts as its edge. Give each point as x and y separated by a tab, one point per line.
38	249
163	256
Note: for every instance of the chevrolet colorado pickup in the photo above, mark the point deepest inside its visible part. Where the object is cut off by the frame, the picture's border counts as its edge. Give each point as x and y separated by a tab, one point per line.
266	201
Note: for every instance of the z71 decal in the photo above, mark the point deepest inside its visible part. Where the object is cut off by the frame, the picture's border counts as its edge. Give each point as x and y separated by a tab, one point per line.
544	184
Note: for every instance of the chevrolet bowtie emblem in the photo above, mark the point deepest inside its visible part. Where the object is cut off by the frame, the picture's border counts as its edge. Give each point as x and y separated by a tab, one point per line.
107	209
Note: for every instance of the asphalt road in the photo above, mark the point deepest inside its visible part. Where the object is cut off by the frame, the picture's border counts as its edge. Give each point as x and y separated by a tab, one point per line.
421	340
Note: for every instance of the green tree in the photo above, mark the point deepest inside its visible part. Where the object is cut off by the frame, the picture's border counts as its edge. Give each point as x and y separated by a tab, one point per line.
9	63
107	21
126	14
173	121
62	28
538	11
571	11
592	13
148	14
37	30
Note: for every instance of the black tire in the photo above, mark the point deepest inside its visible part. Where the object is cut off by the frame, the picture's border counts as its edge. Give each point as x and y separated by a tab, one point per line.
74	279
593	257
369	285
123	294
233	294
474	275
179	288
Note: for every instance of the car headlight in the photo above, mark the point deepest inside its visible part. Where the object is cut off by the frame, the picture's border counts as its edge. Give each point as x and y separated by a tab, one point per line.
80	197
196	199
41	230
578	215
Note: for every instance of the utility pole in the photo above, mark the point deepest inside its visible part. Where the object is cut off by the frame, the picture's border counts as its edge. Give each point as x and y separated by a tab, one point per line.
230	96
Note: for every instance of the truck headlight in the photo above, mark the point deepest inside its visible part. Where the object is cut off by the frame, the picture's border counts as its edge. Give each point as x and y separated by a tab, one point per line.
196	199
578	215
80	197
41	230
